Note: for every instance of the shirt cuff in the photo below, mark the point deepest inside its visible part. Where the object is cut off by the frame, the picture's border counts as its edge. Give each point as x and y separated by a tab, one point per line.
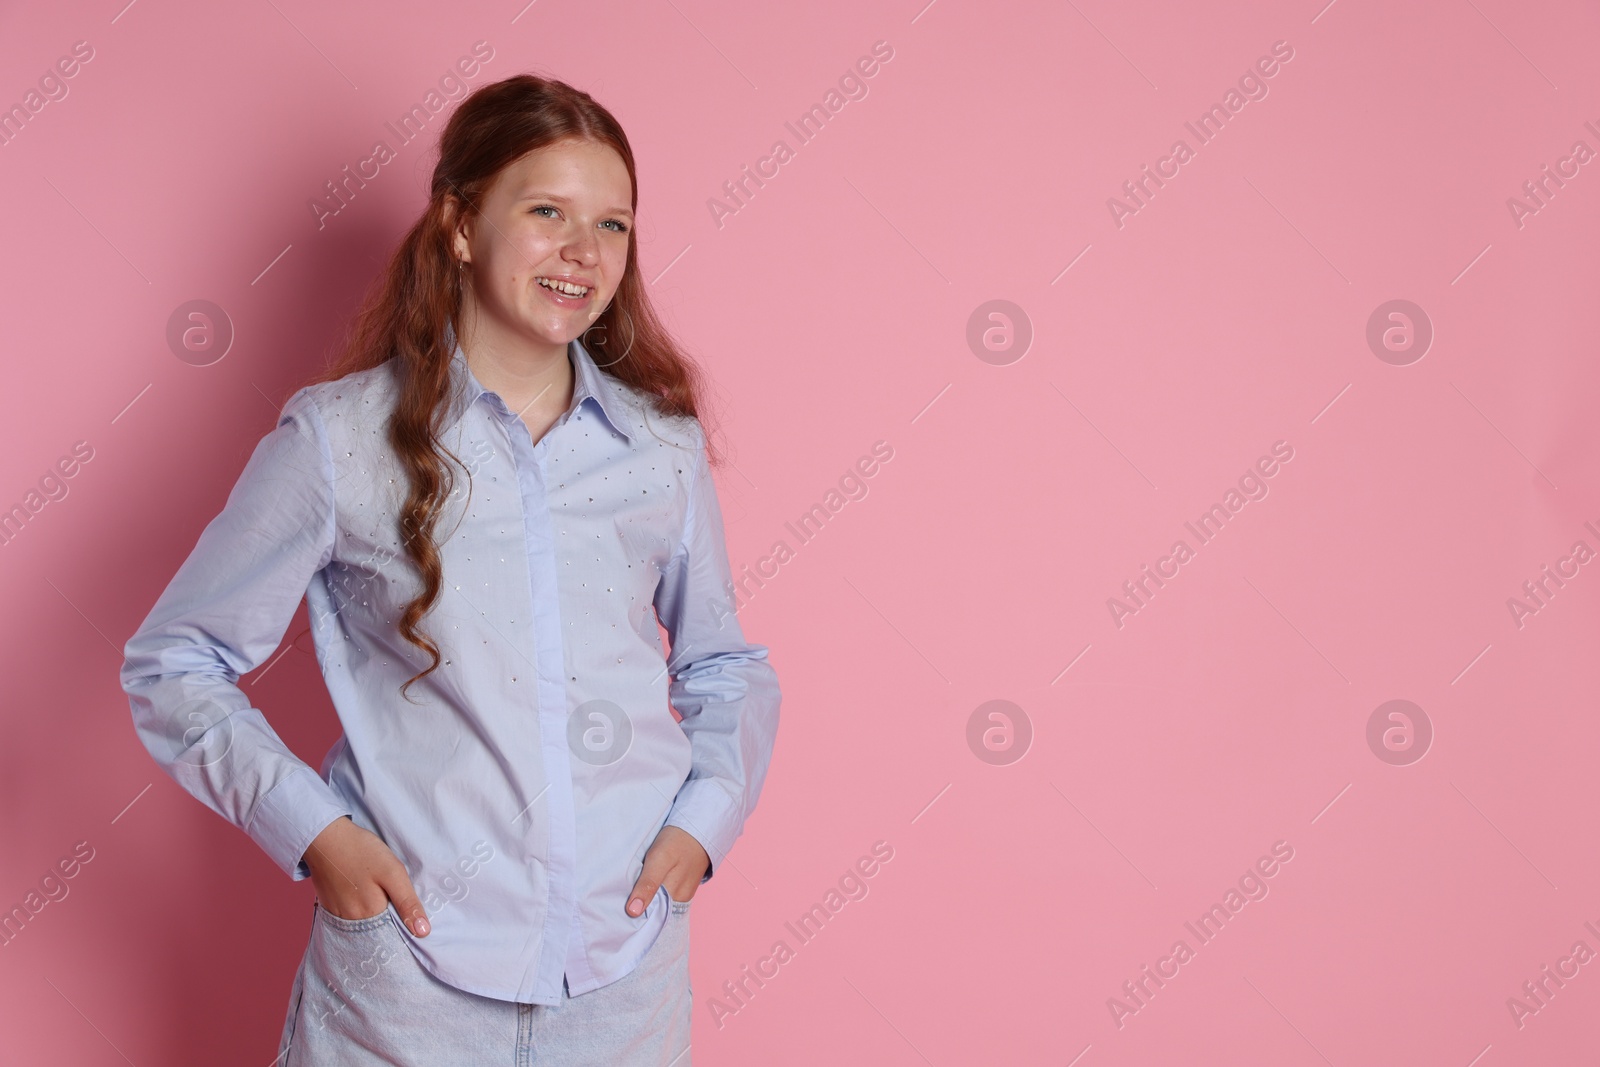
291	816
705	811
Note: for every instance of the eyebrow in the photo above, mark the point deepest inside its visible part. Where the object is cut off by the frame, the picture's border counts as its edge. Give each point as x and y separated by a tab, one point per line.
565	200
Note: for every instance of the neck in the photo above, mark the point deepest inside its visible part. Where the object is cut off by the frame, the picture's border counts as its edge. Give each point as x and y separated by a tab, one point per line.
532	378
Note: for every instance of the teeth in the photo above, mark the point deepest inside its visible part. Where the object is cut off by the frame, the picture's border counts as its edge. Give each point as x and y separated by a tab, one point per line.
563	287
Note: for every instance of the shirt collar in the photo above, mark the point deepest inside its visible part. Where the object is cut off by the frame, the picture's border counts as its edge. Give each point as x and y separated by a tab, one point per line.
588	381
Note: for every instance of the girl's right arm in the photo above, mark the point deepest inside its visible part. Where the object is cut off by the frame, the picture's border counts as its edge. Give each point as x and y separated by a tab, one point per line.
221	616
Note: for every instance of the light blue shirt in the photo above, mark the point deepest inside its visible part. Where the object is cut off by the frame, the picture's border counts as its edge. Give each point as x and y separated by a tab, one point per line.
524	787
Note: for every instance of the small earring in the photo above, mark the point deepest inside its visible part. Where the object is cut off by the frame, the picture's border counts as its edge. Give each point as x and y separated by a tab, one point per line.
605	337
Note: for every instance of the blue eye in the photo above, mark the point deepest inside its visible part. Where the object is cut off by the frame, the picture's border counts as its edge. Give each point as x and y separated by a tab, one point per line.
621	227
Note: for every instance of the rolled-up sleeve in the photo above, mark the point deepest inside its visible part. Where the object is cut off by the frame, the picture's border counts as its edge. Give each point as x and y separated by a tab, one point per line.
221	616
723	686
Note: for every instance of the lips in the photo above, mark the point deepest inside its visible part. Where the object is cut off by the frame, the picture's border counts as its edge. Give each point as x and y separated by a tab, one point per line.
565	287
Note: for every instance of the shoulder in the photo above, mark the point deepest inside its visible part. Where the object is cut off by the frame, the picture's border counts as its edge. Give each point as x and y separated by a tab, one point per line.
344	423
357	404
655	427
352	392
346	420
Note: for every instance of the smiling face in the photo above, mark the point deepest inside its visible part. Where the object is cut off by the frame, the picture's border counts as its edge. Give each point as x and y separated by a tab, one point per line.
547	250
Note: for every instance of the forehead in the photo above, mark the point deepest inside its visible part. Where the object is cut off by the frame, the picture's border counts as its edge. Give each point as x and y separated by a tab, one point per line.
580	170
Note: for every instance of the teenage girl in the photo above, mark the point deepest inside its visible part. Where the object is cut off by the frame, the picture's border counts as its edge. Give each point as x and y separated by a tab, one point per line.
493	505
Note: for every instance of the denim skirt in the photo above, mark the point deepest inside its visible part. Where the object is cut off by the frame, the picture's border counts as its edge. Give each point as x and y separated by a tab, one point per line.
361	999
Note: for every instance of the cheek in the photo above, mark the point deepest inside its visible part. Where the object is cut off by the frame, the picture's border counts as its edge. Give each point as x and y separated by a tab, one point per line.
515	253
615	264
525	254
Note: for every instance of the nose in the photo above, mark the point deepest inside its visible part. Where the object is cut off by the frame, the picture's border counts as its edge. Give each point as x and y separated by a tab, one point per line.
583	248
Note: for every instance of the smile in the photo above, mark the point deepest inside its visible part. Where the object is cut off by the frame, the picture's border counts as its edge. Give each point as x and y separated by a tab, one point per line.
564	288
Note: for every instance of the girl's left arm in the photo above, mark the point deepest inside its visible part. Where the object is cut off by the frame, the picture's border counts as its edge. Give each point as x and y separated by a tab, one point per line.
722	685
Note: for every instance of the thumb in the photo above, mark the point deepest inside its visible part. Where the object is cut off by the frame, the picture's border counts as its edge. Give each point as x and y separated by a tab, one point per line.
644	889
406	903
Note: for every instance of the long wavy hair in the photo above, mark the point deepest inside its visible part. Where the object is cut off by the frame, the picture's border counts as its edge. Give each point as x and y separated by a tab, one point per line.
404	316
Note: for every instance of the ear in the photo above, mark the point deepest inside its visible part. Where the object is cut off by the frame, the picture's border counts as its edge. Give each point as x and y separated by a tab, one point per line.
459	227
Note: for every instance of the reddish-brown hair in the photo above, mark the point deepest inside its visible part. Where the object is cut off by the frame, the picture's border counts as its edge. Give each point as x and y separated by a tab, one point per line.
408	306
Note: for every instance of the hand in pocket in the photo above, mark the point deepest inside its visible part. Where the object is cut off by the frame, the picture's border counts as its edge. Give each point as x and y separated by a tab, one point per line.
356	875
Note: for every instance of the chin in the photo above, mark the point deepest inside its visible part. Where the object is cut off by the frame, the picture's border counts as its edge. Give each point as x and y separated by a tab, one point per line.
551	334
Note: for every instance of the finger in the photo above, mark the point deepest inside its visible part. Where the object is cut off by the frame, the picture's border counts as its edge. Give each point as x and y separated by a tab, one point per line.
656	869
643	890
406	904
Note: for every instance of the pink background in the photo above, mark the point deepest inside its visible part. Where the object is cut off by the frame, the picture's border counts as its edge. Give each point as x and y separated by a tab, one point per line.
1229	313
